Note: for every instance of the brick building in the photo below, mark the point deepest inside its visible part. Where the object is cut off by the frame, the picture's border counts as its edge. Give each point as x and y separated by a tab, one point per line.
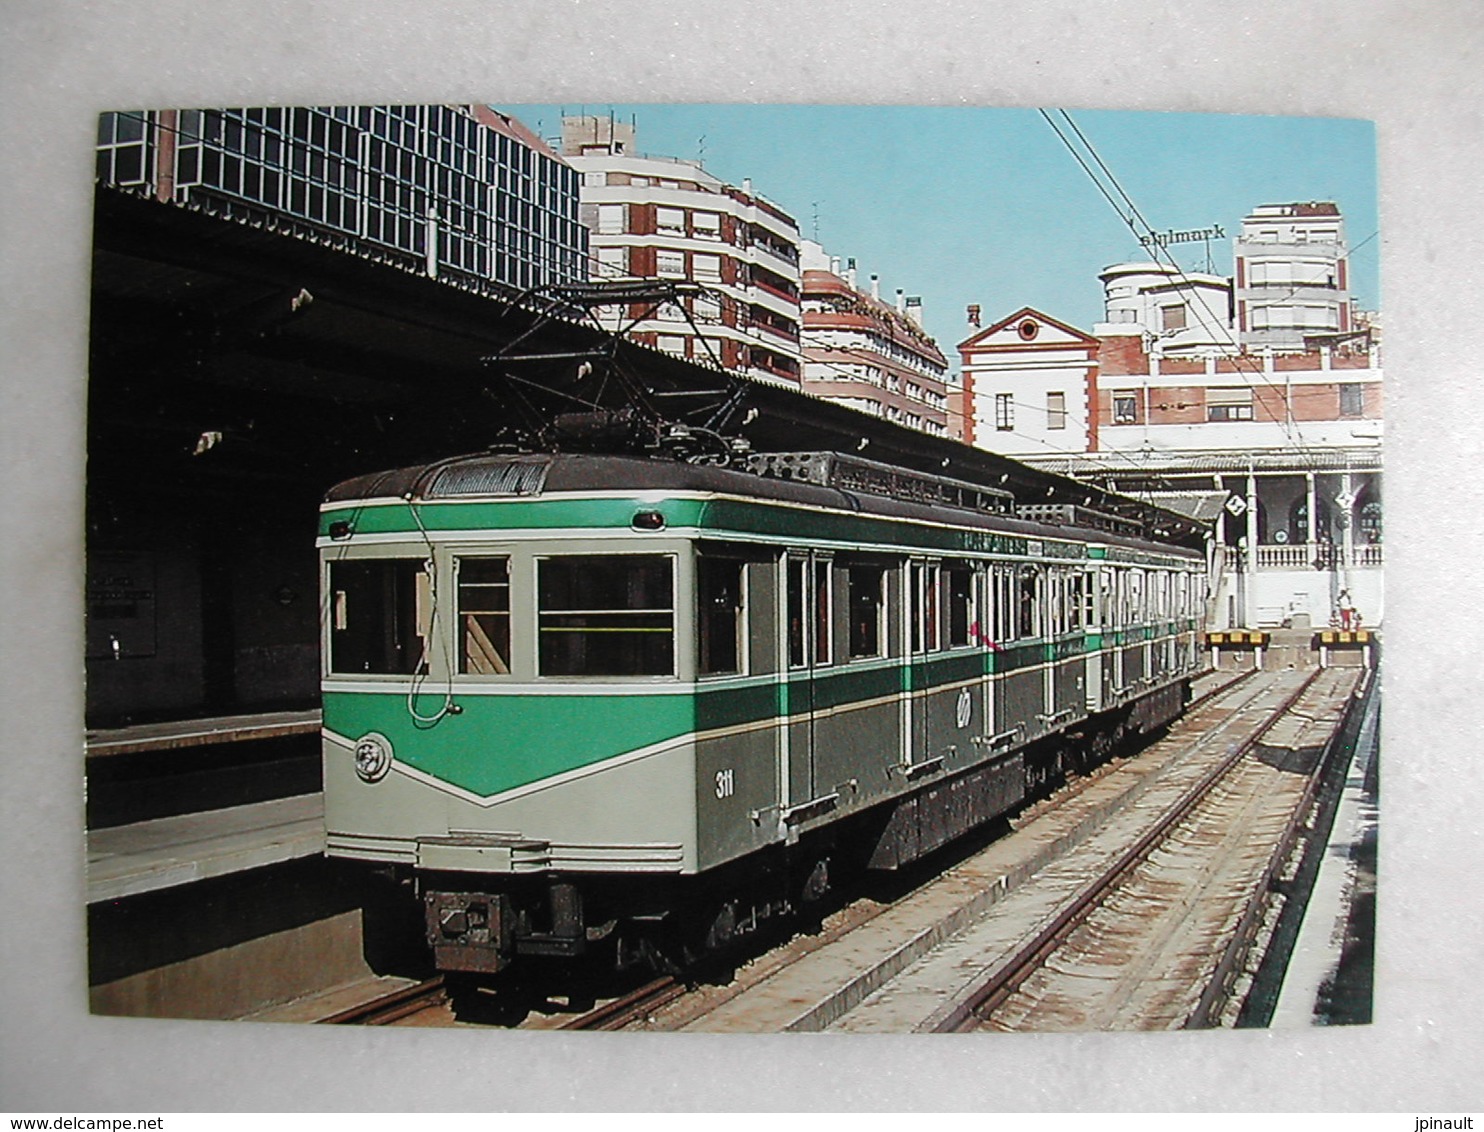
1286	435
867	353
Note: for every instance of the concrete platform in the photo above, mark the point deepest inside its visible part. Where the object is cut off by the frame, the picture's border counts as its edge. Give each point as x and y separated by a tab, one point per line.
201	732
151	855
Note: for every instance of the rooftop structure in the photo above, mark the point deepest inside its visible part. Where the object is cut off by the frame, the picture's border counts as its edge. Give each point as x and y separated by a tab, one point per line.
1292	275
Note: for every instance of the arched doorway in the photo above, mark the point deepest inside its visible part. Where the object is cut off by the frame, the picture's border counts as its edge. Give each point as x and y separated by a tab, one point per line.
1368	515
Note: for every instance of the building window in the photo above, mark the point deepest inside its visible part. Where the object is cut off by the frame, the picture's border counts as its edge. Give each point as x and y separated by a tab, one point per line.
612	262
670	265
610	219
123	144
671	344
670	221
707	267
1172	318
1352	399
606	615
1004	412
484	616
1125	408
705	225
1056	410
1228	404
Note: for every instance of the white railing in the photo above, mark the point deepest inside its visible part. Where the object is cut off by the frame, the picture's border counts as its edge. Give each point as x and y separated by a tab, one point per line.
1301	557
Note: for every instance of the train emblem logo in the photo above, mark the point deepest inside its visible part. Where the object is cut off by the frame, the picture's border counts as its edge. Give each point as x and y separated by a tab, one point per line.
965	710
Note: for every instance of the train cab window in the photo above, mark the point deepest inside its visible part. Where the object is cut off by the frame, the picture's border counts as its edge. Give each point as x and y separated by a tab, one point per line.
484	616
958	596
606	615
380	616
718	615
866	588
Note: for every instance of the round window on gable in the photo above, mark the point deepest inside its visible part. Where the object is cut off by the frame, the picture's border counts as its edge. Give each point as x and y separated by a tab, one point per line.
1028	329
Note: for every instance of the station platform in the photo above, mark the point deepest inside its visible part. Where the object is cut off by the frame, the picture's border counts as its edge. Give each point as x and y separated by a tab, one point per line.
176	734
148	856
1328	978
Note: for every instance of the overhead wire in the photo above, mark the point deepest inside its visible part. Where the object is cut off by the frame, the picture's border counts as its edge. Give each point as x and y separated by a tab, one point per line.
1134	220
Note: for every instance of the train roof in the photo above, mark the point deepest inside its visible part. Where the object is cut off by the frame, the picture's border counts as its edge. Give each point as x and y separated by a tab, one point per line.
817	479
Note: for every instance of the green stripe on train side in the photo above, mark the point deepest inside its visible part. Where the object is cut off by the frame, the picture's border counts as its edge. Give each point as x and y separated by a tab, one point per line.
499	743
502	742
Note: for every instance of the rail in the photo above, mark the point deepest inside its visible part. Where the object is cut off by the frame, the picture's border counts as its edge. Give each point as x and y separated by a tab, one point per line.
991	994
628	1008
392	1007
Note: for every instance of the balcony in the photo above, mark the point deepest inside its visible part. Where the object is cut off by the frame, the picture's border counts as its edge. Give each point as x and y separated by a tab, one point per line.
1301	557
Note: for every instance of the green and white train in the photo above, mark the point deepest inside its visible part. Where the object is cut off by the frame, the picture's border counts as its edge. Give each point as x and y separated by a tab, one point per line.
595	701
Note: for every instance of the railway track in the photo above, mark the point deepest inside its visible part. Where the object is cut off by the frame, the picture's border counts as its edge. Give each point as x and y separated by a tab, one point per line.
882	977
1074	947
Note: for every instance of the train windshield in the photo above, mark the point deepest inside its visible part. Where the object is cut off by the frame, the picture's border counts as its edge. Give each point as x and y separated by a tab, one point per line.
606	615
380	614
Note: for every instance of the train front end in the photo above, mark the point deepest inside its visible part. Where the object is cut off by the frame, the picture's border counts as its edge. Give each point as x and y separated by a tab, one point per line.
504	721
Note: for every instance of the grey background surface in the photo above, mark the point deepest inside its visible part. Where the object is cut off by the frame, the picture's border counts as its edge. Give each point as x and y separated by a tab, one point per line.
1412	67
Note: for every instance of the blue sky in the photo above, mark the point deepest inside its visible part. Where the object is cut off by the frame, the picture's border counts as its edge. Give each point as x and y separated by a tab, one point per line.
973	205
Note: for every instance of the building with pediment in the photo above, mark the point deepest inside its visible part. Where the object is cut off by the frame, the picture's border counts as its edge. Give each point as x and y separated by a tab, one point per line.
1290	439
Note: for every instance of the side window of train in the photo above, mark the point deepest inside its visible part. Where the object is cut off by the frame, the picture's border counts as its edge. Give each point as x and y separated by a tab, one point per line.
822	592
380	616
865	602
923	605
1004	604
484	615
796	568
810	604
718	615
606	615
1074	598
1028	602
958	598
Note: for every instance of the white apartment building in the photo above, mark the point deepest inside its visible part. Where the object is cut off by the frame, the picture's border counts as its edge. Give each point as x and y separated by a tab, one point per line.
667	218
1292	267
